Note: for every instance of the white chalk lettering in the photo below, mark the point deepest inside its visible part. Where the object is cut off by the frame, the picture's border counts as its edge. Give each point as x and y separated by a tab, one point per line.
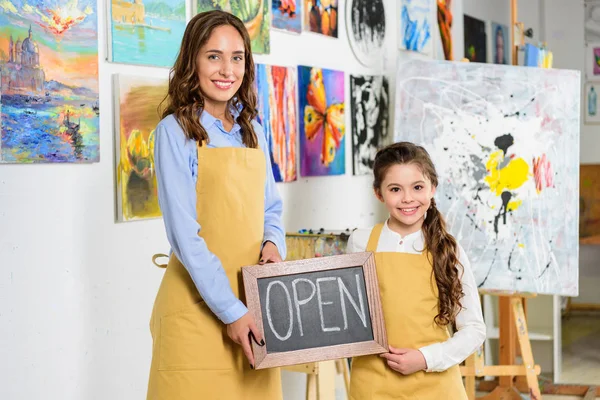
344	290
321	304
269	317
298	302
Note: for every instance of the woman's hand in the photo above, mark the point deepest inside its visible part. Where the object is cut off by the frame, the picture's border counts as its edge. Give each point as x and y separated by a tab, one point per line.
405	361
241	331
269	253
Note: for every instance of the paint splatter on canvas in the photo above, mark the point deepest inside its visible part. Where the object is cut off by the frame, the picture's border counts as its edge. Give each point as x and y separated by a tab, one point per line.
370	114
416	22
322	123
256	15
287	14
146	32
48	81
366	30
505	141
475	39
321	16
138	102
589	201
277	87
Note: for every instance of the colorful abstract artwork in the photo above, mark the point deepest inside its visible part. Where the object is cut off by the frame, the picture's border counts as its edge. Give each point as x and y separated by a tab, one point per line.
366	30
505	142
370	116
416	23
287	15
322	121
302	247
589	201
444	18
277	111
49	81
137	116
256	15
146	32
321	16
500	41
592	61
475	39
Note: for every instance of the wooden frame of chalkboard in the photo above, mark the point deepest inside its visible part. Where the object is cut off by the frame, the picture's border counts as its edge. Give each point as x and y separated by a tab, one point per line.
359	264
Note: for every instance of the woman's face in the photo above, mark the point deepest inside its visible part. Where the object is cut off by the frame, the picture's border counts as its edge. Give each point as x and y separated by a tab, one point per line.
221	65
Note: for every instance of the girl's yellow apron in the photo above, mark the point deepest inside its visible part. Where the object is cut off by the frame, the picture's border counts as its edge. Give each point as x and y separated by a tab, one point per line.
192	357
409	297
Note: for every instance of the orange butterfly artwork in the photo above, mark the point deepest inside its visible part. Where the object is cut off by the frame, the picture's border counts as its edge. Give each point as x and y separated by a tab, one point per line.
322	123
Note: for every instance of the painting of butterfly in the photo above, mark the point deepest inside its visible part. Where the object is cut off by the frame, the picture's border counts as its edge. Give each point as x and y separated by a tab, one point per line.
322	123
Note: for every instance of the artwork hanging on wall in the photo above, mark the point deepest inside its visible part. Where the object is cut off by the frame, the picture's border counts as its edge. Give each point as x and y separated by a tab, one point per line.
369	107
146	32
589	201
416	23
444	18
507	159
256	15
366	30
287	15
277	111
320	16
592	61
322	126
136	110
592	113
500	42
49	82
475	39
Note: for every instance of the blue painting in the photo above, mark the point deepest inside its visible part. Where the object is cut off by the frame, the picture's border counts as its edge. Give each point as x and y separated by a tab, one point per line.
287	14
416	22
146	32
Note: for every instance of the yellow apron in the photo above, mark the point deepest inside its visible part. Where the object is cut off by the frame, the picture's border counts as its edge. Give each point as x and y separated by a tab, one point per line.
409	298
192	356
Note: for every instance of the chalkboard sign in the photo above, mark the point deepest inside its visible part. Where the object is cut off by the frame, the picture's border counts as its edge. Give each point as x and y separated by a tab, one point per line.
316	309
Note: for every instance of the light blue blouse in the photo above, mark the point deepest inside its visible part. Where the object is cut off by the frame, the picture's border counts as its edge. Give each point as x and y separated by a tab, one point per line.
176	161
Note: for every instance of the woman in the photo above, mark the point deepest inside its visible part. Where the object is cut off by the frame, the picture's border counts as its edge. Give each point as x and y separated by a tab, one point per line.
221	211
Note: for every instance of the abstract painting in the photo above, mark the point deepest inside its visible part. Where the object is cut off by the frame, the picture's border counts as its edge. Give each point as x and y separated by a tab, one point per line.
277	111
589	200
287	15
366	30
320	16
370	116
256	15
444	17
592	113
475	39
500	40
505	143
49	81
592	61
322	121
416	23
146	32
137	117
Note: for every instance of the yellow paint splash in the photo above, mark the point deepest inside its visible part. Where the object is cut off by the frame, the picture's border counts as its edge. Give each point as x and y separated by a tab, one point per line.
521	246
511	177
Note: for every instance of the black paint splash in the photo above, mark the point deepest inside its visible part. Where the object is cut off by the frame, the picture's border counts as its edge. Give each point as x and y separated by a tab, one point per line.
505	196
504	142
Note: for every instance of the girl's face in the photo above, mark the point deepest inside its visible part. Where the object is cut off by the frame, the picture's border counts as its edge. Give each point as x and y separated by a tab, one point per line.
221	65
407	195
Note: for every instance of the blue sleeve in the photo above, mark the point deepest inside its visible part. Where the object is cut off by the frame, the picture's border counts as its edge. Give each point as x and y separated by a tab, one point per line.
274	231
177	199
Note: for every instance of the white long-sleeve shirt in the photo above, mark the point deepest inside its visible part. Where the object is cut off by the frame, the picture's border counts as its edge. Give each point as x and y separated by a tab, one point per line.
470	332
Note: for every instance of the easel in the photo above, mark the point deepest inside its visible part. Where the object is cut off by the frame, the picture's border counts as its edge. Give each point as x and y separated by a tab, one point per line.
513	327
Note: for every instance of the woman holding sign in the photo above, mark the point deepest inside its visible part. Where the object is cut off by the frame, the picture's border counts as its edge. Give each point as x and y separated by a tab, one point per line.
426	284
221	211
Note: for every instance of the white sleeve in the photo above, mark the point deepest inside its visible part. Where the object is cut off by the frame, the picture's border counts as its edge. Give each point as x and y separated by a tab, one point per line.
470	327
357	242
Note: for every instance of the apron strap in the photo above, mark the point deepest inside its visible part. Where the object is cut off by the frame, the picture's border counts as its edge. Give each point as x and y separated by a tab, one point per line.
374	238
154	257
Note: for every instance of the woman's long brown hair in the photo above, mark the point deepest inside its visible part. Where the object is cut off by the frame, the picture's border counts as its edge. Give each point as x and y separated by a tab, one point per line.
438	241
185	98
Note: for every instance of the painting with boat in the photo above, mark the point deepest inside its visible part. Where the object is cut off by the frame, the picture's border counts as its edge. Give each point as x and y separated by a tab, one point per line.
48	81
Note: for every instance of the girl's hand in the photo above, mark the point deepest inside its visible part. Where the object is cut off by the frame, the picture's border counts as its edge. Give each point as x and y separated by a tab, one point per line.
241	331
269	253
405	361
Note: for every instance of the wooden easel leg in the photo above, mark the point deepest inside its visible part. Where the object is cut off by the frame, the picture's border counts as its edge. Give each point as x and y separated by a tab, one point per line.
507	338
341	367
470	379
311	387
326	381
525	345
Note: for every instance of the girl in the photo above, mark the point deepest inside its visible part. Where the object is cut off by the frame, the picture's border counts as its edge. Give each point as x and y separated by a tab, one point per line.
221	211
426	284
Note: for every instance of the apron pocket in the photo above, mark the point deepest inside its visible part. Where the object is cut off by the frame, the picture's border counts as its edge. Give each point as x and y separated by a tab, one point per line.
193	339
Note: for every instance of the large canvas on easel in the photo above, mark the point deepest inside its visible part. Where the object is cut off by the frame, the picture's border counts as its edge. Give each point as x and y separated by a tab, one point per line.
505	141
